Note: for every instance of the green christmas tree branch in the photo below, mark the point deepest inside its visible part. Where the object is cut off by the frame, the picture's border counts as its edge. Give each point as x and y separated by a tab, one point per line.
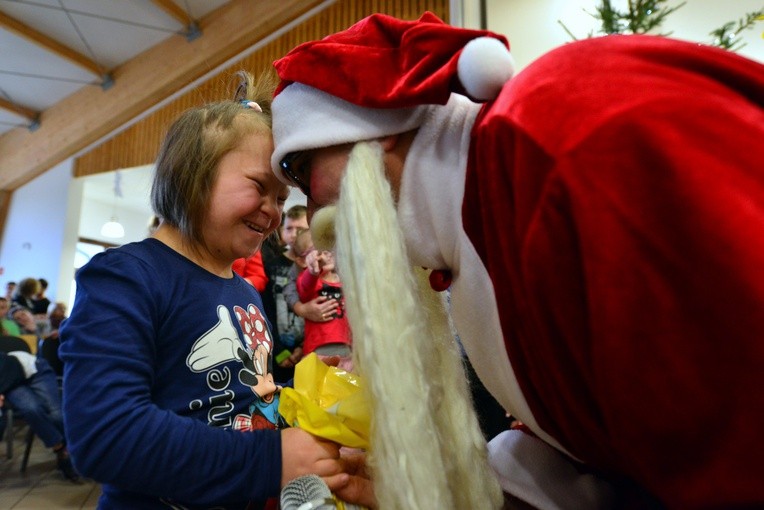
645	15
641	17
726	35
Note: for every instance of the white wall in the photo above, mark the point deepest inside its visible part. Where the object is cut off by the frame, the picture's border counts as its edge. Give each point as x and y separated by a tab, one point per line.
35	228
532	25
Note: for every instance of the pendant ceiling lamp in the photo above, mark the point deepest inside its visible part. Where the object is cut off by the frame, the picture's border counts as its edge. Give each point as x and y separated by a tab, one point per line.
113	228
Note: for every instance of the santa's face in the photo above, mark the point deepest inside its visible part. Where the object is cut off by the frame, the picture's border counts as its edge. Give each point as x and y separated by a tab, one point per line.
326	168
322	169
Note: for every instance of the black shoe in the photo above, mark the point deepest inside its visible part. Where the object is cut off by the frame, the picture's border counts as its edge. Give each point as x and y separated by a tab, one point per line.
66	468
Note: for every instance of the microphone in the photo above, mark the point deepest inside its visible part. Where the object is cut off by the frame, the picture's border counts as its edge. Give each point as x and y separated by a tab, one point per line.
310	492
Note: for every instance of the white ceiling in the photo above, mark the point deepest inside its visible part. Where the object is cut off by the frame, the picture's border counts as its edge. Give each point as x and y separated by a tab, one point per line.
106	32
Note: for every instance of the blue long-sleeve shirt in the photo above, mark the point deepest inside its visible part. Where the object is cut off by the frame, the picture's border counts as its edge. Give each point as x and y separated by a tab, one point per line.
158	374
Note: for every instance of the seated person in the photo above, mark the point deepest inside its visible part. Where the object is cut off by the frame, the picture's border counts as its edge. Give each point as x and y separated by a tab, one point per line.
30	386
49	344
10	326
26	292
56	315
40	301
27	323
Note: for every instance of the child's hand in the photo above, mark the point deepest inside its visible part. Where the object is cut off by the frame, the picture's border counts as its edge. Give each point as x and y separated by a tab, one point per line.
342	362
318	309
319	262
296	355
304	454
326	261
312	262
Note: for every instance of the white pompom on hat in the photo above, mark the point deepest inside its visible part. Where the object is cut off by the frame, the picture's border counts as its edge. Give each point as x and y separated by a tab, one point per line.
484	66
379	77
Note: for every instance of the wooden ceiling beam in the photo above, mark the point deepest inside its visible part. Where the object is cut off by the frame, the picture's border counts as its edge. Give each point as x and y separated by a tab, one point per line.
50	44
5	205
27	113
91	113
171	8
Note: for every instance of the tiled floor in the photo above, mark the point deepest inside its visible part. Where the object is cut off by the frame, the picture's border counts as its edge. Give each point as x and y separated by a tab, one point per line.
42	486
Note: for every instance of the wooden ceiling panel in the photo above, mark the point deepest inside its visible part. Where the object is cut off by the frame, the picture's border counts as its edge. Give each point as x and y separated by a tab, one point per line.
92	113
138	145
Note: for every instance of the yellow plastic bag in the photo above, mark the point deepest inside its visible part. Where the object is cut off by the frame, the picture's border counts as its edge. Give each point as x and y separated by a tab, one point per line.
327	402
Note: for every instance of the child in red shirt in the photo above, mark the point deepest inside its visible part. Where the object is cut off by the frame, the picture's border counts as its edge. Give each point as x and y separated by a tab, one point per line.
331	336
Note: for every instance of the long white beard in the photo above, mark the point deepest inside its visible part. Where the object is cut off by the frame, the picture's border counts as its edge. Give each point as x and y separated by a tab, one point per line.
427	450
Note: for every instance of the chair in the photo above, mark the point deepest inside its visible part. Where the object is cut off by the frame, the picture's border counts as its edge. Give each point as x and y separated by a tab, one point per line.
49	351
31	340
9	344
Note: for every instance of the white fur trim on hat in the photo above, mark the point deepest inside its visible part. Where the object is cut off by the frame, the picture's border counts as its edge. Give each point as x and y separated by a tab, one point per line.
307	118
484	66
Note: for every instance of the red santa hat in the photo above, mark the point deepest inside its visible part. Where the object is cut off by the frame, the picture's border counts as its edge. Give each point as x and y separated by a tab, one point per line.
376	79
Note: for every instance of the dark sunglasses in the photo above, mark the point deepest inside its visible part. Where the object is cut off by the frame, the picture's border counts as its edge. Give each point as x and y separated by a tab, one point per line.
296	166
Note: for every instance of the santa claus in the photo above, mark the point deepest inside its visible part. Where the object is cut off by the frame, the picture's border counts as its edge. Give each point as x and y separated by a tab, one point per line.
599	220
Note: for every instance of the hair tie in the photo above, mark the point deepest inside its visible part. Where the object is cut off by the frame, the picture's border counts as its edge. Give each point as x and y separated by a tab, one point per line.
246	103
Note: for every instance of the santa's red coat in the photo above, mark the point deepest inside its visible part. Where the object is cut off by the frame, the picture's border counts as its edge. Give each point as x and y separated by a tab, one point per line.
615	196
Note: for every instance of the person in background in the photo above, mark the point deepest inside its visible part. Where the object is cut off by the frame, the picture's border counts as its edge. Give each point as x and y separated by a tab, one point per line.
289	327
50	343
252	270
318	308
41	302
25	293
7	322
160	366
598	219
30	386
27	323
10	289
56	315
272	247
331	335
